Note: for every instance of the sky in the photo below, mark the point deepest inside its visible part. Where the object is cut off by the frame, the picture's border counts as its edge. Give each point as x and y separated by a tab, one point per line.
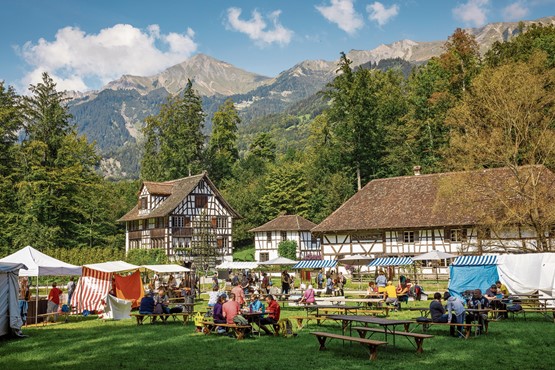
84	44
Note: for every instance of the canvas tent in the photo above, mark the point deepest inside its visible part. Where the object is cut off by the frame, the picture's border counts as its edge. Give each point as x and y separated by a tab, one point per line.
40	264
237	265
472	272
99	278
165	269
9	302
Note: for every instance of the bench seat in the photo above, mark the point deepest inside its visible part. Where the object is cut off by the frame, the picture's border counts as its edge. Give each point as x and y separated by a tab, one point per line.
369	344
164	316
300	319
418	338
239	330
467	327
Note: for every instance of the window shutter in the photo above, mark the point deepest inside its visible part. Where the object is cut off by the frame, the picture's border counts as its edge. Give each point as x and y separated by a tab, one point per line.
400	236
416	236
463	233
447	234
214	222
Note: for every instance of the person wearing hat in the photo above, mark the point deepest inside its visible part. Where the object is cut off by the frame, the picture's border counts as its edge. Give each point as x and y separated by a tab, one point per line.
454	306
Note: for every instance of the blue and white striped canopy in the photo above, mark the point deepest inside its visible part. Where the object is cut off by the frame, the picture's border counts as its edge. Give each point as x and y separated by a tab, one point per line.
475	261
315	264
391	261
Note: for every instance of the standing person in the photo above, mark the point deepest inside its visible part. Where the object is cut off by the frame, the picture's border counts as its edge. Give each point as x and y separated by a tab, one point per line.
341	280
437	311
239	294
70	290
381	281
329	285
53	301
265	283
320	279
215	282
24	296
273	311
456	306
285	279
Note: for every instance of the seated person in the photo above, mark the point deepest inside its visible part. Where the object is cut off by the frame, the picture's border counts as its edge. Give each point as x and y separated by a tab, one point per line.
217	312
455	312
403	292
437	311
162	299
273	314
477	302
256	305
372	289
391	295
147	305
494	297
308	296
230	309
502	289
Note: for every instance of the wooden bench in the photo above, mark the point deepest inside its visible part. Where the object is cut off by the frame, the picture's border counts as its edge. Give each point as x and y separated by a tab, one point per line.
543	311
46	317
369	344
418	338
239	330
467	327
164	316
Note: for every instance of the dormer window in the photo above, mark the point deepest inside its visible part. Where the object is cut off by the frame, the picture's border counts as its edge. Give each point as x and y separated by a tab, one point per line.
143	202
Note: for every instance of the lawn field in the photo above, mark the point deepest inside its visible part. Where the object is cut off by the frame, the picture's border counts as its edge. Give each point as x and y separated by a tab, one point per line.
96	344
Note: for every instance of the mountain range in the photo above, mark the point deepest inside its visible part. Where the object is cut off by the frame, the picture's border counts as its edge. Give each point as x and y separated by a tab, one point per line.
114	115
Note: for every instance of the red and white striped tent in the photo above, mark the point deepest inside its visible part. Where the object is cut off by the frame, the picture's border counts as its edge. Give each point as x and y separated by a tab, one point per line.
95	284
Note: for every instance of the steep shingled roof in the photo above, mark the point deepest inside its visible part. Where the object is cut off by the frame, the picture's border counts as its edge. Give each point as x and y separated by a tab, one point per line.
286	223
423	201
178	190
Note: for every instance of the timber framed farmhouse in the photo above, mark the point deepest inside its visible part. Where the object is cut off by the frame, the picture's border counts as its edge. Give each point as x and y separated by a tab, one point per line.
187	218
460	212
287	227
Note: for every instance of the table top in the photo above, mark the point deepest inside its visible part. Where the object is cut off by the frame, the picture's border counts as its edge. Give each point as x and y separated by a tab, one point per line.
369	319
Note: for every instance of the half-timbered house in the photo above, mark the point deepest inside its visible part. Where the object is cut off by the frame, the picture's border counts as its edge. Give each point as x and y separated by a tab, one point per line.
287	227
187	218
411	215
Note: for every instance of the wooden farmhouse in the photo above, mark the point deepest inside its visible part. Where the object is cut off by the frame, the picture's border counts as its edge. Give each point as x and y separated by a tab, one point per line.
187	218
458	213
289	227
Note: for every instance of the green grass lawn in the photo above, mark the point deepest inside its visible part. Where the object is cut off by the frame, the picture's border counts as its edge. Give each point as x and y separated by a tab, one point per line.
96	344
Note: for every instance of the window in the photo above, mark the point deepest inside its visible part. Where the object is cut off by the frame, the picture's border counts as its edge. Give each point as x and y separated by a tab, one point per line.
456	235
222	242
408	237
201	201
264	257
283	236
269	236
222	222
143	203
160	222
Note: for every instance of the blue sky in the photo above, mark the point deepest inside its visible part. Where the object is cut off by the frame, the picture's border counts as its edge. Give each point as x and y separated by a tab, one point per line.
85	44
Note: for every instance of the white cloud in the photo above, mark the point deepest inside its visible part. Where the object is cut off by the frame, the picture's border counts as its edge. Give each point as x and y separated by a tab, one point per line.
342	13
515	11
379	13
256	28
473	12
76	59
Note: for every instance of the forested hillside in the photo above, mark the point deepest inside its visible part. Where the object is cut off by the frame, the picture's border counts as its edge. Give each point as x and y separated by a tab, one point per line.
459	111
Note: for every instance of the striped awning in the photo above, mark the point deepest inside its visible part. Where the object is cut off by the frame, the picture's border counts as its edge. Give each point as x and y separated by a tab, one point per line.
315	264
237	265
475	261
391	261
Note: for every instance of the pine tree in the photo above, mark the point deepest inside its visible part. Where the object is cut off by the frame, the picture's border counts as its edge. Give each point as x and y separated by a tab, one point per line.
173	138
222	147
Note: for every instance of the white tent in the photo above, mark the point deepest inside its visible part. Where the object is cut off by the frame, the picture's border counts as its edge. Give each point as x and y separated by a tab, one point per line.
9	303
164	269
278	261
237	265
433	255
40	264
112	266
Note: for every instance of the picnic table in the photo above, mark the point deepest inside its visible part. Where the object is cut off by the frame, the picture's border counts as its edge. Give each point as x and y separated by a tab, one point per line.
254	317
424	311
388	325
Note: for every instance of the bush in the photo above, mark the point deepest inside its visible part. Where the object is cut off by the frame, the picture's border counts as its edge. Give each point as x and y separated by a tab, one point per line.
146	257
288	249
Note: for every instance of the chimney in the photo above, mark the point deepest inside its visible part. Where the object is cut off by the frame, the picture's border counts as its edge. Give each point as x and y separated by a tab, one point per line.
416	170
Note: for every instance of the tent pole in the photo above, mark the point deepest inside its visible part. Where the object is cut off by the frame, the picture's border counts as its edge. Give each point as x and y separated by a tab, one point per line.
37	302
